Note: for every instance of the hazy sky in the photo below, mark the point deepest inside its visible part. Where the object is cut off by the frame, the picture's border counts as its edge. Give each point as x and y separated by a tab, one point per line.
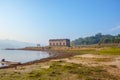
38	21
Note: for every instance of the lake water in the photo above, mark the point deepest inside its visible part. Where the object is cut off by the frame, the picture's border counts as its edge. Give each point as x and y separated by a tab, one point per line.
22	55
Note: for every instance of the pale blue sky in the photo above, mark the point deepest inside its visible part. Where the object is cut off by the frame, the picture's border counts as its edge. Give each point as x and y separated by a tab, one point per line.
37	21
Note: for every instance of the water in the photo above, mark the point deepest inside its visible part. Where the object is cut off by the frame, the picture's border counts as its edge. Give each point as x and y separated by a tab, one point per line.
22	55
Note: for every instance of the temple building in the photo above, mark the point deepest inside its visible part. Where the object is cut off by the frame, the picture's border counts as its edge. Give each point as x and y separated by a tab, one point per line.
59	42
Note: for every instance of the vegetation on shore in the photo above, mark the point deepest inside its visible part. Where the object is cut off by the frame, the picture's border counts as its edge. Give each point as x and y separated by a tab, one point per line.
60	71
89	50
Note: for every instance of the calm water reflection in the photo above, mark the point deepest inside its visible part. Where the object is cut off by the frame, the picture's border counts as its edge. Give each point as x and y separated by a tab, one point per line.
22	56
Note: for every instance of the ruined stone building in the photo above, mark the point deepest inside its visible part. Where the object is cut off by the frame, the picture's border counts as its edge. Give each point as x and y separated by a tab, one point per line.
59	42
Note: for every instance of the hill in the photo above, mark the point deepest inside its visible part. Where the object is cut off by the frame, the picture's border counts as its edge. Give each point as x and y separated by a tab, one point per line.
13	44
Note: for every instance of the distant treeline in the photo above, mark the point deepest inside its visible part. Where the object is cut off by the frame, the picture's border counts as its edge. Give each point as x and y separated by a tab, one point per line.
97	39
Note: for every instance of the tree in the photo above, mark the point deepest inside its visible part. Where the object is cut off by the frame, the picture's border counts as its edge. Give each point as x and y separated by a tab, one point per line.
97	39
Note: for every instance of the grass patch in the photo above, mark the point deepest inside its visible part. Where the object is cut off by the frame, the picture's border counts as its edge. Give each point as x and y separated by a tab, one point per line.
111	50
104	50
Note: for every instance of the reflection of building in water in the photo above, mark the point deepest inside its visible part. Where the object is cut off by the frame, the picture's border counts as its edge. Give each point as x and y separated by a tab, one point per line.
59	42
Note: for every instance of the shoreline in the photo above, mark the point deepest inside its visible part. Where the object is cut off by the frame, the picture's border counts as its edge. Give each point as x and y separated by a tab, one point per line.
54	55
58	53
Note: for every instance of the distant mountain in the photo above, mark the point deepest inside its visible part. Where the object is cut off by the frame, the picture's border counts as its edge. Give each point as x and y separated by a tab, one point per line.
14	44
